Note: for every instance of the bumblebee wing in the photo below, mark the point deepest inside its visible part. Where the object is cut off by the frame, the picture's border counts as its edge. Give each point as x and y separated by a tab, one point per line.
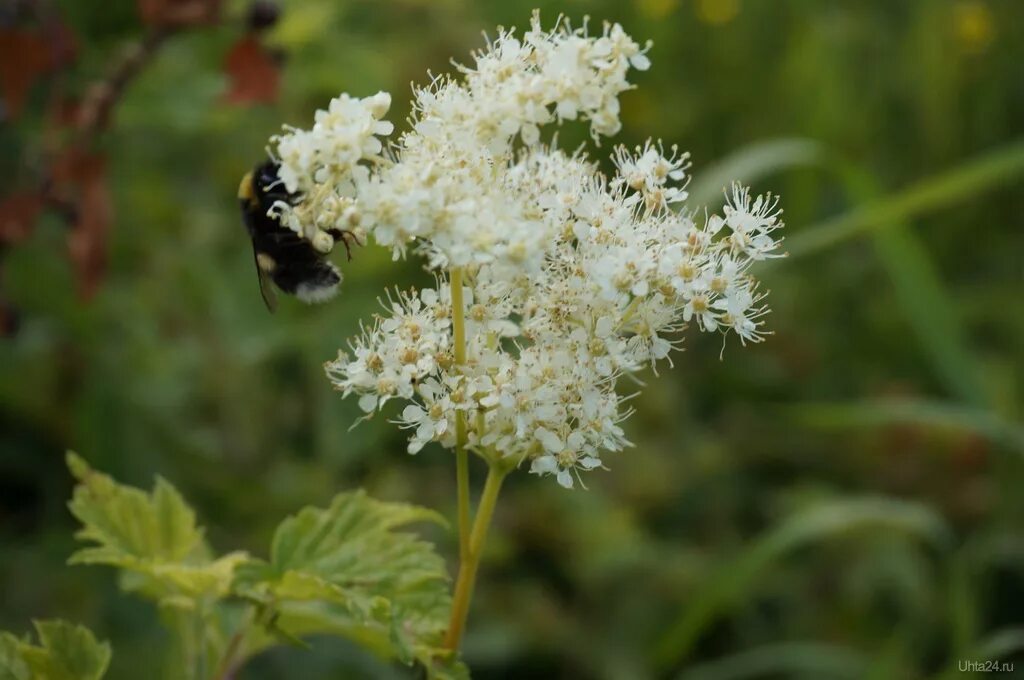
266	287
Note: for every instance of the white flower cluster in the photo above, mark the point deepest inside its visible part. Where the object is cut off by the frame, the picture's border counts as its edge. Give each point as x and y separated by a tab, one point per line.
571	279
323	163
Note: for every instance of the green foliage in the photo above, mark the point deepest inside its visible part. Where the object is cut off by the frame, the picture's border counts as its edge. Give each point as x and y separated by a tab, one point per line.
981	174
784	660
919	289
346	570
819	522
65	652
750	164
152	537
939	416
174	367
130	526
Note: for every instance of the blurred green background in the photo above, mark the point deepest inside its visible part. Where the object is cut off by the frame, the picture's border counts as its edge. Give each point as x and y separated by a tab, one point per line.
842	501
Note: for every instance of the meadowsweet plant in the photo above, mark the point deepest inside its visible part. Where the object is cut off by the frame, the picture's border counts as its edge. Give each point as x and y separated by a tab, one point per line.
552	279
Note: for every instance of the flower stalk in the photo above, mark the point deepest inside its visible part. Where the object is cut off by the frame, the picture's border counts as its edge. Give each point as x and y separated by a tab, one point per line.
469	566
229	661
461	456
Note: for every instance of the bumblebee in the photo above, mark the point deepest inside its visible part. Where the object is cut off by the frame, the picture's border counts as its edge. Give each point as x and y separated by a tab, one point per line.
294	265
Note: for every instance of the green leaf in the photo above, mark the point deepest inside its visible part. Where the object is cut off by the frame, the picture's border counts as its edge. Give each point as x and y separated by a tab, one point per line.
181	584
128	525
346	570
12	664
65	652
152	537
815	523
447	668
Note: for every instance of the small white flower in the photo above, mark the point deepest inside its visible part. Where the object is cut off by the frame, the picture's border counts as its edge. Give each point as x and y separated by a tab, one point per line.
430	424
549	440
564	478
544	465
368	402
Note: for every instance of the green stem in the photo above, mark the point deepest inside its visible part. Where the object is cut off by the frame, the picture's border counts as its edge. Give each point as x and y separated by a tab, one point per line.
468	567
199	631
461	457
228	661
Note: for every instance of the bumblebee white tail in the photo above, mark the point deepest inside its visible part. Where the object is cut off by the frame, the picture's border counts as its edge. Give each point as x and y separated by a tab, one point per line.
316	291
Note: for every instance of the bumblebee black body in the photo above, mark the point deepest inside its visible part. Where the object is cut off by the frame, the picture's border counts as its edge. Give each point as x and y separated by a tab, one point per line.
282	256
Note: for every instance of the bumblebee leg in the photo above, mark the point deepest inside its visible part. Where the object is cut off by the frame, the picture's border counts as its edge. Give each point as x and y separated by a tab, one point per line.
344	235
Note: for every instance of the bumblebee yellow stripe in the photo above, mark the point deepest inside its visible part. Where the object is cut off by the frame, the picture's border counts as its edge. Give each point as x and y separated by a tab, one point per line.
266	263
246	190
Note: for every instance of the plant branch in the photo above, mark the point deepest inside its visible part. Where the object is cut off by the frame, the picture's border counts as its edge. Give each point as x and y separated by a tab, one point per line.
102	96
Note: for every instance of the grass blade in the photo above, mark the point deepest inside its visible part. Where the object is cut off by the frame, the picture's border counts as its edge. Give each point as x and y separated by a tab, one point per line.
814	524
921	295
751	163
998	646
788	660
882	412
968	180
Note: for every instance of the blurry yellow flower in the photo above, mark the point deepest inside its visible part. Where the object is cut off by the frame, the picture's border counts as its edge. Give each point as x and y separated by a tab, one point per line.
657	9
973	26
717	12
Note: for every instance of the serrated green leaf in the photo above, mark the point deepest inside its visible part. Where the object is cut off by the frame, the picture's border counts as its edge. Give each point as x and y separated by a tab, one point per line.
12	663
127	524
152	537
346	570
448	668
323	539
181	584
65	652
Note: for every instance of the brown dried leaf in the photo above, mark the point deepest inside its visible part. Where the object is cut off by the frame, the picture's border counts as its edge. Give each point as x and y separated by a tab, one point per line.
62	42
18	215
63	111
178	13
28	53
253	73
9	321
24	57
72	166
